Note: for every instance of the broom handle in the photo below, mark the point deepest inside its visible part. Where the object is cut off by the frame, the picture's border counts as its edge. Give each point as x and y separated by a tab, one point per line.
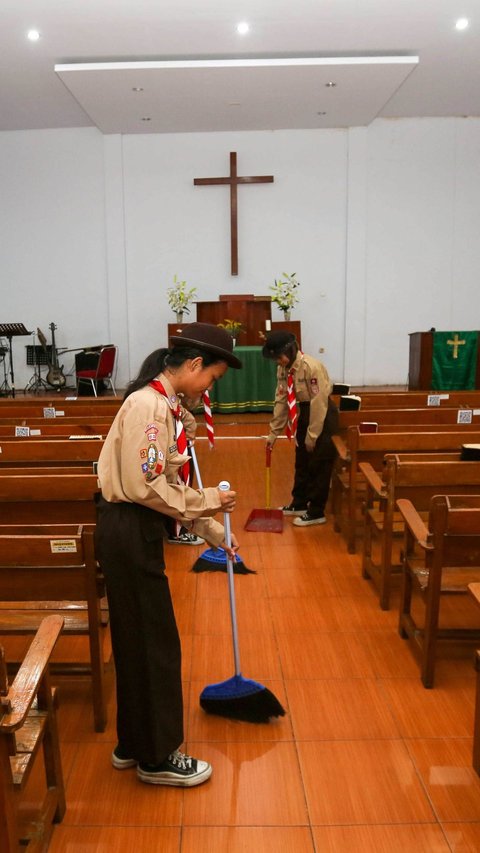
195	464
268	463
224	486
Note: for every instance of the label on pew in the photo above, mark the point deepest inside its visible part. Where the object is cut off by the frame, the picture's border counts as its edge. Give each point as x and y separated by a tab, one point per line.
49	412
63	546
85	437
22	432
434	399
70	398
35	432
464	416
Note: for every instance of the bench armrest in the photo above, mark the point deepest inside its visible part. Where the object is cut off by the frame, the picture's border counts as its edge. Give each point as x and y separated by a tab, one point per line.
25	685
341	448
374	481
415	523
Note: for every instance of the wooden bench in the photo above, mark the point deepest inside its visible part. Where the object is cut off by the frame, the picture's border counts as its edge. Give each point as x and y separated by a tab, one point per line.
56	499
348	484
53	569
433	416
441	558
474	590
26	726
53	429
48	452
416	480
71	408
416	399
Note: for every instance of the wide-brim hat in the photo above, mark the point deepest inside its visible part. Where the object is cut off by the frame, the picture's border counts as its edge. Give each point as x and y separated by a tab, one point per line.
210	338
277	343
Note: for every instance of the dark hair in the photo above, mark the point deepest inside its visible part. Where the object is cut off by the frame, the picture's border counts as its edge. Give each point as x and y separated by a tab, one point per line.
159	359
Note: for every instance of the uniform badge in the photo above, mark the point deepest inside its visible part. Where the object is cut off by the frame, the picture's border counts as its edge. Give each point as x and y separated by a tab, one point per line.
314	385
160	455
173	399
172	449
143	453
149	475
152	436
151	428
144	467
152	456
159	468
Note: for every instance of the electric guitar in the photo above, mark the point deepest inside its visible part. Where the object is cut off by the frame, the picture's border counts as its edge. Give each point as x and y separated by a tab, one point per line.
55	376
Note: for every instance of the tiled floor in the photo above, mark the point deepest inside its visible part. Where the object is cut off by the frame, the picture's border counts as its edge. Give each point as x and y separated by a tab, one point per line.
366	760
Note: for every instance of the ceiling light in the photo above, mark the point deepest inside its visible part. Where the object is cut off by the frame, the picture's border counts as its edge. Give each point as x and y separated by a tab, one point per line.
322	113
462	24
243	28
330	84
137	89
146	118
33	35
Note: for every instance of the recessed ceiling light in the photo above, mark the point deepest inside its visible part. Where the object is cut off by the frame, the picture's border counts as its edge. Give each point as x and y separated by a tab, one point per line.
330	84
322	113
137	88
243	28
146	118
33	35
462	24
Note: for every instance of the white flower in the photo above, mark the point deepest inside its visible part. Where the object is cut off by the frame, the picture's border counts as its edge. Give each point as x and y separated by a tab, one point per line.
179	297
284	291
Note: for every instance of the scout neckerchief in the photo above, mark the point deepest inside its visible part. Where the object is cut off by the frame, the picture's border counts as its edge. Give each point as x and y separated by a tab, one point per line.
184	470
292	405
207	412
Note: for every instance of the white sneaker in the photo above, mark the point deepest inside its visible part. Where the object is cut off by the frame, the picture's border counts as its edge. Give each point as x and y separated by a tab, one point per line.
178	769
306	520
186	539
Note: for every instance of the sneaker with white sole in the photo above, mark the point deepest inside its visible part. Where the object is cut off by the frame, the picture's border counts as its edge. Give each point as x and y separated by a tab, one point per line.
120	762
178	769
306	520
291	509
186	539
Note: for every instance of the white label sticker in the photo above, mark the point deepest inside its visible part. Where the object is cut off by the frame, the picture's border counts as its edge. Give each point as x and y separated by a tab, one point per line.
35	432
464	416
49	412
22	432
63	546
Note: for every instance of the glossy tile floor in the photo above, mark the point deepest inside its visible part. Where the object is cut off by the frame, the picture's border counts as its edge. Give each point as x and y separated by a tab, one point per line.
366	759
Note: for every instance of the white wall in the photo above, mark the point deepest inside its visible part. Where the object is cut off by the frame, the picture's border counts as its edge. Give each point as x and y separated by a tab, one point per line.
380	224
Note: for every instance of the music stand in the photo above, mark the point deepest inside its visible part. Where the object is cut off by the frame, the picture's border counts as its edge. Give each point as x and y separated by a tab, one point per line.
36	383
9	331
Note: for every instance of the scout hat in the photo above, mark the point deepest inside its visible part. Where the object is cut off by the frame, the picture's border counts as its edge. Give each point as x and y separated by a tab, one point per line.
210	338
277	343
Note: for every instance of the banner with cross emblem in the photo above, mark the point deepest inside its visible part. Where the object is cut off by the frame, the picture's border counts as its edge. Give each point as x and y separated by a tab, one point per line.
454	361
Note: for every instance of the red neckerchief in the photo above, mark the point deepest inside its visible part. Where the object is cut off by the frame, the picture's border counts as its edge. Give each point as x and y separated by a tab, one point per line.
184	470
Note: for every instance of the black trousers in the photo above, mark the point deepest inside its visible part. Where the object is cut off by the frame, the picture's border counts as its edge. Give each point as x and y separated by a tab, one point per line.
145	640
313	471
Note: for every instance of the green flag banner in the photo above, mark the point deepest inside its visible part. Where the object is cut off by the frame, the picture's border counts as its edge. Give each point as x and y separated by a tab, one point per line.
454	361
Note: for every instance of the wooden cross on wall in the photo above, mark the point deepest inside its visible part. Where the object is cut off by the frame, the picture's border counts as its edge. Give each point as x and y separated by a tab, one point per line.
233	180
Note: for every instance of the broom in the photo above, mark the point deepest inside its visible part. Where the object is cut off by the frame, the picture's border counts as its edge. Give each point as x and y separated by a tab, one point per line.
214	559
238	698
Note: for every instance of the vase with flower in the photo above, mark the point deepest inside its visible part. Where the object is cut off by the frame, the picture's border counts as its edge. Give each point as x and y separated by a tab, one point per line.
179	298
285	293
234	328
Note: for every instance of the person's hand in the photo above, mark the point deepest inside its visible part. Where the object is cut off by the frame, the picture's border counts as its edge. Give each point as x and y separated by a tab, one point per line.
309	445
234	547
270	442
227	500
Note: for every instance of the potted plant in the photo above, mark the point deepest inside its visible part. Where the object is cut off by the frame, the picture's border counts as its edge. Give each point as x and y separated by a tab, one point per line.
284	293
233	327
179	297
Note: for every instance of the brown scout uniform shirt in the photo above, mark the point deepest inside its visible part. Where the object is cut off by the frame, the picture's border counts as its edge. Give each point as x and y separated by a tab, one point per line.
139	464
312	385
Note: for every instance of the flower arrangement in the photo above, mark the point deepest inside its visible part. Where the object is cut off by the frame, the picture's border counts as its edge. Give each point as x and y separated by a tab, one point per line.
179	297
233	327
284	291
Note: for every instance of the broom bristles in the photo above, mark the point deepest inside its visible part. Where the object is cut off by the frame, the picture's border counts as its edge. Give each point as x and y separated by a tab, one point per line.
215	560
241	699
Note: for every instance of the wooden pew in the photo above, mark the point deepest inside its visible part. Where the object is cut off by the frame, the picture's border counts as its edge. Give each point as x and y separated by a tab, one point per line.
50	452
53	569
24	730
71	408
53	429
356	447
441	558
58	499
416	399
417	481
423	415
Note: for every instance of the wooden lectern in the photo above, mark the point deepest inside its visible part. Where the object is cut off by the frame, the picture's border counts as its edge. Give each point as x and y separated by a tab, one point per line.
421	360
254	312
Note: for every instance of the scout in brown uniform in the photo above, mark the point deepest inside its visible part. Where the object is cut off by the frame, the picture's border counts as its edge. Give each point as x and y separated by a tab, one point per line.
317	422
140	470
